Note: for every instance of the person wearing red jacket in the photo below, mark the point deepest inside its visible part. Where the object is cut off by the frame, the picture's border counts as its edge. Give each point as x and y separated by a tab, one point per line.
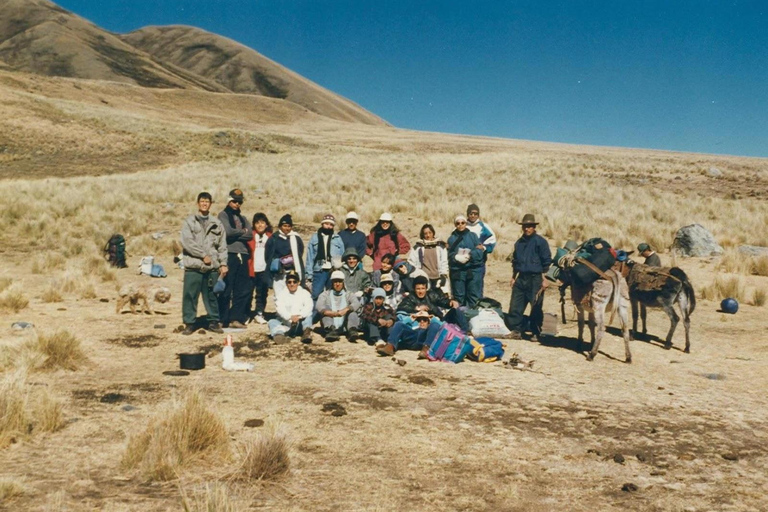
385	238
259	269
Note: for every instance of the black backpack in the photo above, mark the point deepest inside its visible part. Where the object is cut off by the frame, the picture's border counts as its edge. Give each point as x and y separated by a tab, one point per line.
114	251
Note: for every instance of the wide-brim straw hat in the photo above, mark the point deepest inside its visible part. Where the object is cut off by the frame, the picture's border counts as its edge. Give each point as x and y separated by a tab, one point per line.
528	219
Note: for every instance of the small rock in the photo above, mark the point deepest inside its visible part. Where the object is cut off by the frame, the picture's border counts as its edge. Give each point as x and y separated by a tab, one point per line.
753	250
103	300
641	457
334	408
160	326
128	408
339	412
629	487
253	423
730	456
61	309
158	235
20	326
178	329
401	362
714	172
658	472
419	412
596	452
618	458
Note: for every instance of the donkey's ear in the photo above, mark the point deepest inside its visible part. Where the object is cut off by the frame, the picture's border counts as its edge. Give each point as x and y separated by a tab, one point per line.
629	253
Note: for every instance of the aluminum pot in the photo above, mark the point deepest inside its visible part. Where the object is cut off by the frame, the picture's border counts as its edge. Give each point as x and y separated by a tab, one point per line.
194	361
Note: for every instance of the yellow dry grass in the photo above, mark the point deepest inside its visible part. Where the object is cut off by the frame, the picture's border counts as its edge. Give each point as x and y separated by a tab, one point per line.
61	350
10	488
214	497
265	457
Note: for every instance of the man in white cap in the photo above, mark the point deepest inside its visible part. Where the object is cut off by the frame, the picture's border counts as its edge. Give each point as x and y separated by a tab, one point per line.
338	310
294	312
323	254
351	236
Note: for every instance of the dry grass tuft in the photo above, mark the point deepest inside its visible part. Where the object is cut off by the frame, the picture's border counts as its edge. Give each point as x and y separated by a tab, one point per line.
5	283
723	287
215	497
760	266
266	457
61	350
48	413
186	433
11	488
759	297
52	294
13	300
735	262
14	419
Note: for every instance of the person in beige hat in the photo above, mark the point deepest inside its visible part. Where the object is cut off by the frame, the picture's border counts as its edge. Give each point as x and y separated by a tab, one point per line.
530	262
351	236
385	238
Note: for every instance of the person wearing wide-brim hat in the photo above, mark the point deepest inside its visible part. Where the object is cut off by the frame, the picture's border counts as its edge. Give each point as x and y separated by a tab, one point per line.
530	262
651	258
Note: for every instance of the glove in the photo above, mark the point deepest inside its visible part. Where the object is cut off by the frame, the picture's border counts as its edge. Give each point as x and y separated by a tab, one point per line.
462	258
443	280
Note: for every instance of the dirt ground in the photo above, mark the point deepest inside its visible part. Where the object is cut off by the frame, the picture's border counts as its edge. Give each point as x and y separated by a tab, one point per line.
672	431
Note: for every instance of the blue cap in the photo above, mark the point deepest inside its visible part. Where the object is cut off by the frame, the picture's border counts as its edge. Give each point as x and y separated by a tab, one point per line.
378	292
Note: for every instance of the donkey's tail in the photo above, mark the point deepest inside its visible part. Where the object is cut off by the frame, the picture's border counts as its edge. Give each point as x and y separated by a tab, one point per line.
616	280
687	287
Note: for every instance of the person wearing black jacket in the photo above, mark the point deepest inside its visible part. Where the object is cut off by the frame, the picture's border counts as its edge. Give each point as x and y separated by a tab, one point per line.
234	302
530	261
432	301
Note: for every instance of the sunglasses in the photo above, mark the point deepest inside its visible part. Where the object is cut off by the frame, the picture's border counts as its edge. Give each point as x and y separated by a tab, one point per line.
238	202
292	281
461	223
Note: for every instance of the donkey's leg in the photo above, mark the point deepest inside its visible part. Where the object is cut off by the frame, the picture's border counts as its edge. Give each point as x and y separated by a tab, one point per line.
592	327
684	309
596	317
634	316
643	314
580	320
623	318
673	319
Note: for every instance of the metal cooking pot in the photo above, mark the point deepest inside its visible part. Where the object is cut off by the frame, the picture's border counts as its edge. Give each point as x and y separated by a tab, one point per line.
195	361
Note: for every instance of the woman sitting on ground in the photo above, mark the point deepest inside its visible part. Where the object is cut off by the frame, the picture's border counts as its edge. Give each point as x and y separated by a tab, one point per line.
392	297
387	262
430	255
259	269
385	238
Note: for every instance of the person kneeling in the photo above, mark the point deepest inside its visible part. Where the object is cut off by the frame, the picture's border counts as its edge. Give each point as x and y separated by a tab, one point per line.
294	312
378	318
407	336
338	310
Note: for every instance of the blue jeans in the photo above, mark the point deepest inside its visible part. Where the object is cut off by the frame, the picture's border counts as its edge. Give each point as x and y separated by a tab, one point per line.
281	326
320	281
406	338
467	286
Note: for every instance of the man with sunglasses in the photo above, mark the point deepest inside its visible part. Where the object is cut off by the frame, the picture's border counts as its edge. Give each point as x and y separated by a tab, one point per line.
418	337
295	311
234	302
465	259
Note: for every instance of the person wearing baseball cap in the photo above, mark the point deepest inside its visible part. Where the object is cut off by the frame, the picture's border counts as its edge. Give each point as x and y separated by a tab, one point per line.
351	236
378	318
235	302
390	287
385	238
324	252
338	310
651	258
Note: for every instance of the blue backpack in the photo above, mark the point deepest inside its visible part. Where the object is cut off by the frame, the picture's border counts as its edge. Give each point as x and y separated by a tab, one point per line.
485	350
450	344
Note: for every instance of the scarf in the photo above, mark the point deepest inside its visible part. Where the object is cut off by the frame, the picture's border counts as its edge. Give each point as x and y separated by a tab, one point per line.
378	233
338	302
294	251
236	220
323	244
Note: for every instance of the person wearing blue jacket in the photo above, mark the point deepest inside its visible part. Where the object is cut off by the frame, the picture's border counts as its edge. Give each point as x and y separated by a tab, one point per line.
324	252
486	236
352	237
465	259
530	261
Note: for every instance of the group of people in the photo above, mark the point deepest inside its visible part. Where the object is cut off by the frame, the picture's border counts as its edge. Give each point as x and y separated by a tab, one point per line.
410	291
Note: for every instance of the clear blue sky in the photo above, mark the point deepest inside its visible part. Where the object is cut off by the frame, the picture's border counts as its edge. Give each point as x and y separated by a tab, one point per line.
687	75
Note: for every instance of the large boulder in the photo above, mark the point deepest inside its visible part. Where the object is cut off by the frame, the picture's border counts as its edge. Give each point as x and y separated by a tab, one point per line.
695	240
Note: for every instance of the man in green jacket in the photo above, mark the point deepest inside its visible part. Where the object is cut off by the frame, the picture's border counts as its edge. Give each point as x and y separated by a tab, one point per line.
205	259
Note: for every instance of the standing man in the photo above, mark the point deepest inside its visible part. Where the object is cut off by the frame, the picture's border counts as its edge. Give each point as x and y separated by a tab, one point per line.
235	302
651	258
205	258
324	252
352	237
530	261
466	255
486	236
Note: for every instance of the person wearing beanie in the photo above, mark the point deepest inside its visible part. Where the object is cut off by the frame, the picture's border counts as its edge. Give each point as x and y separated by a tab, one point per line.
351	236
338	309
651	258
259	268
204	254
378	318
389	285
387	262
284	254
530	262
235	302
385	238
356	279
465	257
324	252
432	301
430	255
485	235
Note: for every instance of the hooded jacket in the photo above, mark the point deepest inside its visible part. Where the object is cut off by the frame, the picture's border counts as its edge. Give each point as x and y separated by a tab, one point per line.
355	279
200	239
466	241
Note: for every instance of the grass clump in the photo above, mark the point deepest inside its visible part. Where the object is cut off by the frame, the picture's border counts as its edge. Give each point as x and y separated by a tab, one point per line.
188	432
13	300
11	488
5	283
48	413
61	349
215	497
760	266
14	419
759	297
723	287
266	457
52	294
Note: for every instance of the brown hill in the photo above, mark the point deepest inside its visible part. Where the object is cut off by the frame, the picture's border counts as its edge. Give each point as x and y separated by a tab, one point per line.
243	70
40	37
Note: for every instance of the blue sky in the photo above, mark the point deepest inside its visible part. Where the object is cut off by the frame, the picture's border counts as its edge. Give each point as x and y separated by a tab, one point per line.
686	75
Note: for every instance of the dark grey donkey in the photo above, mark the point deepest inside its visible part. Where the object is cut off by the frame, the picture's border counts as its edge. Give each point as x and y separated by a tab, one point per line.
661	287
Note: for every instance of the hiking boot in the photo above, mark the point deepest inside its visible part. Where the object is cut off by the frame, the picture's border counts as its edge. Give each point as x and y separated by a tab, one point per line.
188	329
353	335
515	335
332	335
387	350
280	339
215	327
423	353
306	337
379	343
236	325
260	319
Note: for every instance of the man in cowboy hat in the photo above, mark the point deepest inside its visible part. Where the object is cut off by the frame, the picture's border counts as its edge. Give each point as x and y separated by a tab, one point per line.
651	258
416	337
530	261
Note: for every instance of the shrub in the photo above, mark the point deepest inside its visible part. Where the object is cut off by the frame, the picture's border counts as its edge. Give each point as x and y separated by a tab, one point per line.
11	488
13	300
760	266
48	413
723	287
14	420
52	294
61	350
5	283
759	297
215	498
187	432
735	262
264	458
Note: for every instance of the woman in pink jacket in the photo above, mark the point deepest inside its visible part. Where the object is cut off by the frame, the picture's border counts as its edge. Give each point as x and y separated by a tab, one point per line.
385	238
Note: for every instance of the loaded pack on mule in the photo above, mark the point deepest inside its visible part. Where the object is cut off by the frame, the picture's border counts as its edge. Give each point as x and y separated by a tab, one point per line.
595	288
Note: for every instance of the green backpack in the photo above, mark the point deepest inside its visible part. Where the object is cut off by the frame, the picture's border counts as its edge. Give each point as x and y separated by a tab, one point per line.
114	251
